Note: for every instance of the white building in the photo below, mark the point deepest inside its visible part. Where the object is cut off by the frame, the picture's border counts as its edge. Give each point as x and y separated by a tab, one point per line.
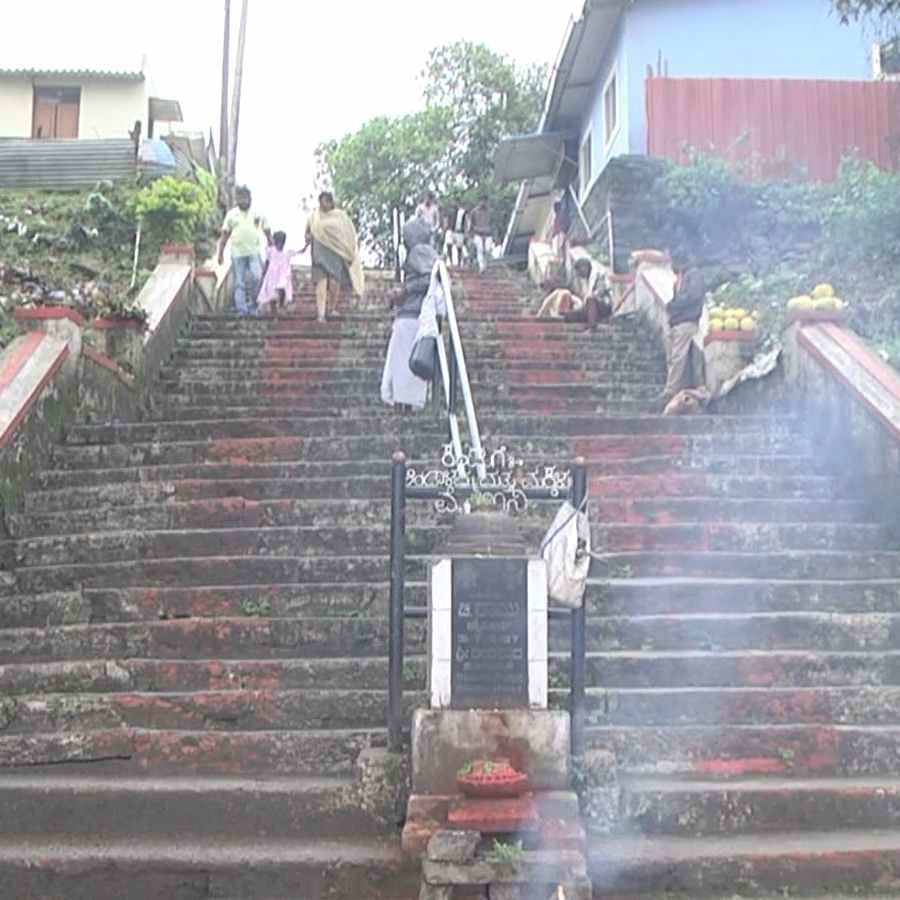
79	102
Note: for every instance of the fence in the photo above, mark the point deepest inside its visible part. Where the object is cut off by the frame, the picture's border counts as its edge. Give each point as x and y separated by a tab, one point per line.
59	164
399	611
776	125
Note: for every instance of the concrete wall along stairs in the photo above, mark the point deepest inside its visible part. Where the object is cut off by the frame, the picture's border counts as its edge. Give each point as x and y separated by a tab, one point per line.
192	651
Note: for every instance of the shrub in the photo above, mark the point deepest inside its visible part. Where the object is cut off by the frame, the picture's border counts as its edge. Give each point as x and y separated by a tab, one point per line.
173	209
861	220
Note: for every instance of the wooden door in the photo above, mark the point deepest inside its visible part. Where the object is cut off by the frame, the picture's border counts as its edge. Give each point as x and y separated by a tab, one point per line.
66	120
56	112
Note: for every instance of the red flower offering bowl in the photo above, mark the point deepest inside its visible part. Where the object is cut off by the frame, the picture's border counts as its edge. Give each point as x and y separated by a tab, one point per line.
489	779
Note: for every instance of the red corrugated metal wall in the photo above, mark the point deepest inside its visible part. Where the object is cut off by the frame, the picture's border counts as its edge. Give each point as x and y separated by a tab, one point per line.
775	124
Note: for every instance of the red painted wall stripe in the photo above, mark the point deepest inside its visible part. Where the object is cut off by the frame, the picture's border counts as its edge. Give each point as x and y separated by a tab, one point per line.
41	313
23	410
20	355
860	352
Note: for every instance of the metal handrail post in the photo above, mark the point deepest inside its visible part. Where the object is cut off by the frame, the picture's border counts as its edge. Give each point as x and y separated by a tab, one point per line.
463	374
395	612
577	704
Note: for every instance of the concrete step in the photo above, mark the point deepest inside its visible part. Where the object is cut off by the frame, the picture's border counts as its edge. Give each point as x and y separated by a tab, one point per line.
234	710
211	571
217	570
150	604
607	669
247	638
130	751
167	675
76	806
293	541
723	750
744	537
704	510
814	631
303	404
656	806
698	483
81	510
675	594
261	388
752	865
519	427
368	454
198	359
816	564
235	477
624	598
734	668
808	705
184	867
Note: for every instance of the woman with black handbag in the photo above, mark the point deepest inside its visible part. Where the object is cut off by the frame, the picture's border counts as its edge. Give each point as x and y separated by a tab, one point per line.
400	387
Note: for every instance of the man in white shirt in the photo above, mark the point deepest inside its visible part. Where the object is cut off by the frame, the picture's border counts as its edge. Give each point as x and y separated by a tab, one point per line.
455	238
592	285
428	212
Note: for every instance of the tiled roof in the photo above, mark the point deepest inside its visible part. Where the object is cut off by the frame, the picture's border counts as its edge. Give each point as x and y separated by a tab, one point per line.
120	74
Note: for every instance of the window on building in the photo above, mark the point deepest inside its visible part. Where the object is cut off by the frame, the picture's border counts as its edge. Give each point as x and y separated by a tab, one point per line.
56	112
611	107
584	164
886	60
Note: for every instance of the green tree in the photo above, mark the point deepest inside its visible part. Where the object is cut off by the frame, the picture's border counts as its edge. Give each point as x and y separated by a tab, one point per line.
853	10
386	165
473	99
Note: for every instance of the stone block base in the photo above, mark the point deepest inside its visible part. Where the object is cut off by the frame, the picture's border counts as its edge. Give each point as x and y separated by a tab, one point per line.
534	741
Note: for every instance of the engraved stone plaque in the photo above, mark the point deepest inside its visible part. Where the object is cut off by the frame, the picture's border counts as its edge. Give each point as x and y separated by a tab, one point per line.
489	663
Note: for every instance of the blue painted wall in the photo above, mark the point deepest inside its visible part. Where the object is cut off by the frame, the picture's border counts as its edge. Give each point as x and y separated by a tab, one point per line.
726	39
616	57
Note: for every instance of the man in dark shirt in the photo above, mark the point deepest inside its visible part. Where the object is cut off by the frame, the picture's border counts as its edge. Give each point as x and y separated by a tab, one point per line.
481	228
684	313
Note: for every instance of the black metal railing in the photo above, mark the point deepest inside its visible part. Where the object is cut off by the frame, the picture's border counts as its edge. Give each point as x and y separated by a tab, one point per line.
399	611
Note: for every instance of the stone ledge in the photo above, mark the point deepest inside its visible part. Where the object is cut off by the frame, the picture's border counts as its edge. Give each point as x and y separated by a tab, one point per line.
733	337
108	323
815	316
870	380
43	313
102	360
27	367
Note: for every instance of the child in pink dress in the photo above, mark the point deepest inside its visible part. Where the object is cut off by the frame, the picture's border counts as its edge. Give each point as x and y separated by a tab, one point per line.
276	288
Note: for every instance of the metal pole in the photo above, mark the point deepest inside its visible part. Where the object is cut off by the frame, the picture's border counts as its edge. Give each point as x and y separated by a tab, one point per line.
223	113
395	613
454	384
579	492
236	98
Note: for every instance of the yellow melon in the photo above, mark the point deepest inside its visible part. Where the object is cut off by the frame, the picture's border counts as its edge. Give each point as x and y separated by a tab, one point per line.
716	324
748	323
732	324
804	301
824	303
820	291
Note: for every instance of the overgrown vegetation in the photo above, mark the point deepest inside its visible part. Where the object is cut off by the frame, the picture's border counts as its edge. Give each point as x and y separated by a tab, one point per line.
505	853
852	10
782	237
76	248
473	98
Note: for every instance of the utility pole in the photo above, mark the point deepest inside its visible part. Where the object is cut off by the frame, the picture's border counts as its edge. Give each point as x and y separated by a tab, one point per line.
236	95
223	116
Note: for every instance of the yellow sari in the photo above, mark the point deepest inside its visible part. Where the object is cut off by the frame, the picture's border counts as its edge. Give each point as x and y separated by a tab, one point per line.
335	231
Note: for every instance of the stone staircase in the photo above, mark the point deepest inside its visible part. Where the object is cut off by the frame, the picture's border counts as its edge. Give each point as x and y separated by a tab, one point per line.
192	648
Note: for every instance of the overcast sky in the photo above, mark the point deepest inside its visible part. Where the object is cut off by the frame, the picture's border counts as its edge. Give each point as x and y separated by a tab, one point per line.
313	70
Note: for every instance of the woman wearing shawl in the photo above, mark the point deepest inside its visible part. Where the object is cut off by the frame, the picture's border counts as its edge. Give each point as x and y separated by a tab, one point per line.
399	387
335	254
